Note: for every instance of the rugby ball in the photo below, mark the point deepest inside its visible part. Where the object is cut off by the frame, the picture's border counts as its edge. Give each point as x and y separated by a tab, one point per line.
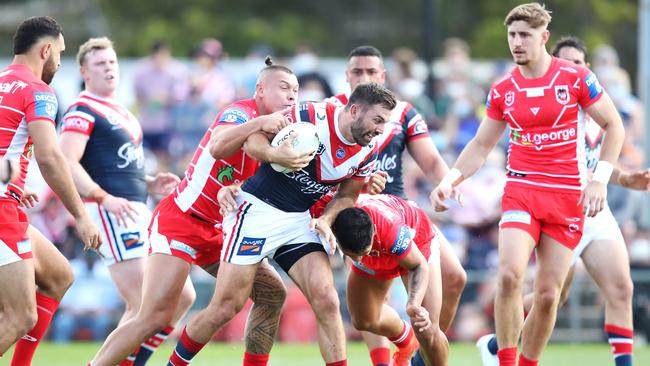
306	140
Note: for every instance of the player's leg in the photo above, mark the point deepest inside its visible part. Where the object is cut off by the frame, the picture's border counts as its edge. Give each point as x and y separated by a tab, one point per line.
515	248
553	263
53	276
454	279
233	287
18	301
434	347
164	279
378	347
268	295
313	275
367	308
608	264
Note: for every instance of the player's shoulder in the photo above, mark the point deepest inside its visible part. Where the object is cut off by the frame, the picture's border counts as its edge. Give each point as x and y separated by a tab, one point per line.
338	100
504	82
239	111
569	68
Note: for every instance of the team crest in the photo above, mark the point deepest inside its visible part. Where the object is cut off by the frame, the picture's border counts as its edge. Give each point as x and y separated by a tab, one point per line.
562	94
510	98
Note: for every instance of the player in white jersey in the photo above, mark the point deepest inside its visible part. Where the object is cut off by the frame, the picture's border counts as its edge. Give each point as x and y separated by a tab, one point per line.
602	247
34	275
102	141
272	217
407	131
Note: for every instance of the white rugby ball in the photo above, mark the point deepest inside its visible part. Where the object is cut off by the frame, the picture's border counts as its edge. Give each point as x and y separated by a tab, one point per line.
306	140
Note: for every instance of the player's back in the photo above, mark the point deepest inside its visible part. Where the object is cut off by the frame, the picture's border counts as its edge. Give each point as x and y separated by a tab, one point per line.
205	176
23	99
546	136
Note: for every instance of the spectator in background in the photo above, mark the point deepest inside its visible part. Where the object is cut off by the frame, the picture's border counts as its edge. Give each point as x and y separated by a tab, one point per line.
160	85
313	87
92	302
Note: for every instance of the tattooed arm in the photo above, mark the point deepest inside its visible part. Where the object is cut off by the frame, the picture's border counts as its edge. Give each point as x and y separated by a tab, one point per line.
418	277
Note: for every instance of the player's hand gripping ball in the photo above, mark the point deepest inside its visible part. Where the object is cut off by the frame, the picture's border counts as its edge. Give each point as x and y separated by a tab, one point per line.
306	140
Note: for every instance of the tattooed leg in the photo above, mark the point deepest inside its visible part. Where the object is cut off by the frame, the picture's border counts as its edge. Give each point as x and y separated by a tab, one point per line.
268	296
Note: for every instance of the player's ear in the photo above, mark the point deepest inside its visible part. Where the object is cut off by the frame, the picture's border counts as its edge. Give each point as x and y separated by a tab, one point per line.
46	50
546	34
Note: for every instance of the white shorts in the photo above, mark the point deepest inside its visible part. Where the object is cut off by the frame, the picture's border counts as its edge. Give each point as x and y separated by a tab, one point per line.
603	226
256	230
120	243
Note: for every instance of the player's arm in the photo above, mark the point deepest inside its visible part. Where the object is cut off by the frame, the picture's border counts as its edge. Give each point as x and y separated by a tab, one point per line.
470	160
605	114
639	180
57	175
418	277
227	139
428	158
72	145
346	196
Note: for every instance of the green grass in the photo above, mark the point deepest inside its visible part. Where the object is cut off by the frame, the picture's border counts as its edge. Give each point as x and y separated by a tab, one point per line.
461	354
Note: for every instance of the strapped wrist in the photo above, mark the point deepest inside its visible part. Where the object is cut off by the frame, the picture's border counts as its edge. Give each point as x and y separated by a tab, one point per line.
603	172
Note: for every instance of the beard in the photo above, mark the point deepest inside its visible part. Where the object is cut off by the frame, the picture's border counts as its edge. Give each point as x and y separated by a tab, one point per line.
522	62
49	69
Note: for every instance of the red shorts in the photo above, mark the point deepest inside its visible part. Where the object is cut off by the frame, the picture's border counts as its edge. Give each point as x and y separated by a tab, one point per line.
182	235
14	243
386	267
536	211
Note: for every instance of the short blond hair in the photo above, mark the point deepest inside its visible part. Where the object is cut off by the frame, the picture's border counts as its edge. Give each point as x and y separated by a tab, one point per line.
534	14
90	45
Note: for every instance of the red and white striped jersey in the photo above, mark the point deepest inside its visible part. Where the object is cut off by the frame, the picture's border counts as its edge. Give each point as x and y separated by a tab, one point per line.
197	192
405	125
546	134
23	99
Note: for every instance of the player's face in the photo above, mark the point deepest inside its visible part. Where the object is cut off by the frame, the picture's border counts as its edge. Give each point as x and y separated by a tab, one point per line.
526	43
572	54
368	122
101	71
365	69
53	62
278	91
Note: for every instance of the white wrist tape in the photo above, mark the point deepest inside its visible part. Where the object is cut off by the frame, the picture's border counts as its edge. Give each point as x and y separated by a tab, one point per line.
603	172
452	176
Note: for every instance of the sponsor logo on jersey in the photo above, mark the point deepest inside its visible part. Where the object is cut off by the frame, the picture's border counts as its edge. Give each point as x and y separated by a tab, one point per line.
234	115
46	104
226	174
77	123
562	94
251	246
402	241
510	98
132	240
12	87
182	247
542	138
420	127
593	85
340	153
307	184
129	153
24	246
517	216
535	110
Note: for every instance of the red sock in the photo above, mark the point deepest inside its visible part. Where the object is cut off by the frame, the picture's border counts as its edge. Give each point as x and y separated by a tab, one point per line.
622	342
404	338
523	361
507	357
26	346
185	350
129	360
251	359
380	356
337	363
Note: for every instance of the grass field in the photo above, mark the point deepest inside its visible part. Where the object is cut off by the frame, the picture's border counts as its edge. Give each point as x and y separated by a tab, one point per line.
217	354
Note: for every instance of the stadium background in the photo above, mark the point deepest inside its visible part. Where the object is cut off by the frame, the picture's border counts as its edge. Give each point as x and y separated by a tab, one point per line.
465	42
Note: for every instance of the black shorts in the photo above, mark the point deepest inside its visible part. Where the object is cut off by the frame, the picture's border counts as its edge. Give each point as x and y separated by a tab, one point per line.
287	255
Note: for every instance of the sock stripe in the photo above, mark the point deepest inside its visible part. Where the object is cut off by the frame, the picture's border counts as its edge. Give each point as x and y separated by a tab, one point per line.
402	337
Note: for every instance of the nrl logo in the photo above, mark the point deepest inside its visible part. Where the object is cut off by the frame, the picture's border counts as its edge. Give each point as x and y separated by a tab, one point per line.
562	94
510	98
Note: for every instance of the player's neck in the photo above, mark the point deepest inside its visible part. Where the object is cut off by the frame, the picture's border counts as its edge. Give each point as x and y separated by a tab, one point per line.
536	68
103	95
35	67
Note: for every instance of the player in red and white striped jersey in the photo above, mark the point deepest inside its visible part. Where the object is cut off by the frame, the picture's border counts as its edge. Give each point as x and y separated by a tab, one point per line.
547	191
28	109
186	225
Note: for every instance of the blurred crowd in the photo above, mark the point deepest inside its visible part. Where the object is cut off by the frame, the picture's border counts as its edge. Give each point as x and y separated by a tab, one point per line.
177	99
